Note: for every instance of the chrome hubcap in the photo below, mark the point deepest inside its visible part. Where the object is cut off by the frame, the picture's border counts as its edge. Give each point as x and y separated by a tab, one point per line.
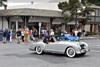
38	49
70	52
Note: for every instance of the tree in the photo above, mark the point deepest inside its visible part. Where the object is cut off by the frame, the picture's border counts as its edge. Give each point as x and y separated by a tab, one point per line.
70	6
3	3
96	2
76	9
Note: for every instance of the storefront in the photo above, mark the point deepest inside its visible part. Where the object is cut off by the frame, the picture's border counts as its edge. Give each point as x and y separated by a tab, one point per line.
37	18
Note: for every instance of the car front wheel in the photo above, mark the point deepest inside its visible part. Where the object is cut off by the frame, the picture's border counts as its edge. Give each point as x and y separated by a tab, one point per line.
70	52
38	50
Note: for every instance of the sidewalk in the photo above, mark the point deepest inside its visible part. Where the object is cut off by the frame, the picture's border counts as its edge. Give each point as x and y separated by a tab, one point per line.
90	37
14	42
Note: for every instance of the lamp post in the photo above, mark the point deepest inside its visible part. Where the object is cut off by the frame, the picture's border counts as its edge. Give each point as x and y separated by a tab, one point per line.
40	29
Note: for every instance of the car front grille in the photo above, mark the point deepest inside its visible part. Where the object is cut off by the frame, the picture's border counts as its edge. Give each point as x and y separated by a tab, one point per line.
82	46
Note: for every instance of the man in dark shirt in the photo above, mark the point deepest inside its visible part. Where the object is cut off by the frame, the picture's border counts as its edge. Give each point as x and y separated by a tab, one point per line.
18	35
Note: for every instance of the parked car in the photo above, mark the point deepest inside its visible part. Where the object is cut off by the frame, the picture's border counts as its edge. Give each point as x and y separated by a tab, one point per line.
68	37
69	48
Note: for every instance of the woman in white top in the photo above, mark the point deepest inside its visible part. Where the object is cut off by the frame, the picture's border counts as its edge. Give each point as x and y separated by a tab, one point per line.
51	32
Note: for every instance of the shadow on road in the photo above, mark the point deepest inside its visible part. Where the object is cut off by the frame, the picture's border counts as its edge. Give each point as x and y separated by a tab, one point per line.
48	57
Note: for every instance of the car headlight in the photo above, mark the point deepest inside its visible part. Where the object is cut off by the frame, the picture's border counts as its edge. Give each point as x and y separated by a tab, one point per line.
82	46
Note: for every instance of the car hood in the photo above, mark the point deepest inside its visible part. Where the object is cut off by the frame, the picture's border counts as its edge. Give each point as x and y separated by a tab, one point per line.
70	42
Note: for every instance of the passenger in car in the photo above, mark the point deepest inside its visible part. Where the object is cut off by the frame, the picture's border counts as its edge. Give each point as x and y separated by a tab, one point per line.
45	40
51	39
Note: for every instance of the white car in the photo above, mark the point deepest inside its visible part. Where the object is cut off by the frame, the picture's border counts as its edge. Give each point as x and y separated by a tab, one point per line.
69	48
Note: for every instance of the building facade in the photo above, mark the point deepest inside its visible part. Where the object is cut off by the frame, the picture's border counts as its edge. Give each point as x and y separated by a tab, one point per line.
42	18
26	17
93	24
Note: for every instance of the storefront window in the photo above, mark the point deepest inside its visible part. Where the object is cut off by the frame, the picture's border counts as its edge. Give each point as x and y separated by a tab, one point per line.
99	27
13	26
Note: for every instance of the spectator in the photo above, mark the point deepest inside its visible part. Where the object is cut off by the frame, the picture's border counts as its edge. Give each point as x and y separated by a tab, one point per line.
5	35
10	33
26	35
35	33
22	35
83	32
30	35
51	32
79	33
76	32
18	35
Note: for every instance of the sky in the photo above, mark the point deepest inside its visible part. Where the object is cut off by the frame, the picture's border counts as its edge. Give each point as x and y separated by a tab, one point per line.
36	1
38	4
20	2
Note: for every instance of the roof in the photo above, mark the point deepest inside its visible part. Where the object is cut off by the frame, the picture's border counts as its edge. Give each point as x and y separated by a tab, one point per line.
95	6
36	1
71	23
46	6
28	9
30	12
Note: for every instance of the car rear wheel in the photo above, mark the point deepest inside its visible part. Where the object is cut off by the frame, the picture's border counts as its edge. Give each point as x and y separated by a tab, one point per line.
70	52
38	50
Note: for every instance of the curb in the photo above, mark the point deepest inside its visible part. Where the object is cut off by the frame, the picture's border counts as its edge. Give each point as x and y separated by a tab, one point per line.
82	38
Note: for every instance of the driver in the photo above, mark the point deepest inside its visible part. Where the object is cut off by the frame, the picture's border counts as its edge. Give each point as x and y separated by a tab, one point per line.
51	39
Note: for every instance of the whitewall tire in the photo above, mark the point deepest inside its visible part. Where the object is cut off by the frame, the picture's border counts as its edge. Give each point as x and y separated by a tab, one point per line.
38	50
70	52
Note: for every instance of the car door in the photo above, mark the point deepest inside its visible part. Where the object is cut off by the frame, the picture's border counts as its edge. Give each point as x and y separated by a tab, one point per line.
54	47
50	46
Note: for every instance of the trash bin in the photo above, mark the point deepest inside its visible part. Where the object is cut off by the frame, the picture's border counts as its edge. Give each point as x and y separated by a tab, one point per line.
1	35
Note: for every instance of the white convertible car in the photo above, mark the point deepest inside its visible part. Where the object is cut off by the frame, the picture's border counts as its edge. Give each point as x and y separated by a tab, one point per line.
69	48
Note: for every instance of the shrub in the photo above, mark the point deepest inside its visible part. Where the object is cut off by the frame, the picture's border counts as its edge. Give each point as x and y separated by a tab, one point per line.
90	33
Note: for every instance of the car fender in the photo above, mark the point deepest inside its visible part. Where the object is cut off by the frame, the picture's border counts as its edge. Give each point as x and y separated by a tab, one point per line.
70	44
86	46
34	44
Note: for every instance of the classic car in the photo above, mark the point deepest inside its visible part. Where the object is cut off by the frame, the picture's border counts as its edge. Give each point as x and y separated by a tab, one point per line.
53	45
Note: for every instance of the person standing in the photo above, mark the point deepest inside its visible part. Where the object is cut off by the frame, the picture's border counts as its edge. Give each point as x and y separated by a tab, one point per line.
51	35
76	32
10	33
22	35
79	32
30	35
26	35
51	32
18	35
46	37
5	36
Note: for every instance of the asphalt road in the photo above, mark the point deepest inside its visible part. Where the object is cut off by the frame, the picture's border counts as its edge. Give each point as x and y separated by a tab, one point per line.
18	55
